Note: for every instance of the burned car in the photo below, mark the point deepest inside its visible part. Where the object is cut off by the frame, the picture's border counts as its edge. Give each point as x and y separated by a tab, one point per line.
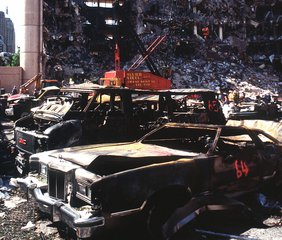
78	115
254	110
19	105
168	177
185	105
85	114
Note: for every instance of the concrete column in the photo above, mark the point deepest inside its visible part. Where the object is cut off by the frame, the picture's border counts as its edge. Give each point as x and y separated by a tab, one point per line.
31	37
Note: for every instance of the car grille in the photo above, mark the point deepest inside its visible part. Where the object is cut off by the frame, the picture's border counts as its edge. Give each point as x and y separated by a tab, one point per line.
56	184
25	142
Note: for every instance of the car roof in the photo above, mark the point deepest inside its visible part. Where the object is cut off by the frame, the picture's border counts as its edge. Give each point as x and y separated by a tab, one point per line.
190	90
214	127
196	125
90	87
51	88
227	130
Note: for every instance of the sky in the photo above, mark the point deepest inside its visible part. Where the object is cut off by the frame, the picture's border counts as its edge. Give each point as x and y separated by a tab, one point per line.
13	14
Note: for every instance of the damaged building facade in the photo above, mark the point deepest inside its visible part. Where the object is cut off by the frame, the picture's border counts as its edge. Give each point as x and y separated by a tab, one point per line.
219	44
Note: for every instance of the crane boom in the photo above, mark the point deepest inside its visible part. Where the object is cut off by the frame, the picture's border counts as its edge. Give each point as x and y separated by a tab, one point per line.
35	79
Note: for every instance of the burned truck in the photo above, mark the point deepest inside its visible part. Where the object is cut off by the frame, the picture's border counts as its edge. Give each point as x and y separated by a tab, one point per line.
167	178
95	114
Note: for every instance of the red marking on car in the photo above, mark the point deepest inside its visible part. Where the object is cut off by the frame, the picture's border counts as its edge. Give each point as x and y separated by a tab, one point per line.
22	141
241	168
212	106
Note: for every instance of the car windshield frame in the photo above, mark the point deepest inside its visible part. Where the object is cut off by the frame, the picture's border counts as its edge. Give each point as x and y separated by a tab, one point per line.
200	139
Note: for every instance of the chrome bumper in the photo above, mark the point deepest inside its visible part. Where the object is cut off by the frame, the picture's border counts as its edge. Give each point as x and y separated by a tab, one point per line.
62	212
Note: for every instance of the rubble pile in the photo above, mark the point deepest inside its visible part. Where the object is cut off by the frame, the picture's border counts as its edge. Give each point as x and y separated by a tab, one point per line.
246	57
225	71
67	52
218	44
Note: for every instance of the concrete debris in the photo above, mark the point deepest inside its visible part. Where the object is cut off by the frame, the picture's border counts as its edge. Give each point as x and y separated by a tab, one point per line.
214	44
29	226
5	188
14	202
8	198
68	50
272	221
262	234
46	228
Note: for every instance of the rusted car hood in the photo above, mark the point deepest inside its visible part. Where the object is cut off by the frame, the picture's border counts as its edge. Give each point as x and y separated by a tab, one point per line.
85	155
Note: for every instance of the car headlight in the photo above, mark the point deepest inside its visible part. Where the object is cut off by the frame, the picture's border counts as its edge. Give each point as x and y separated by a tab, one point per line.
43	170
84	190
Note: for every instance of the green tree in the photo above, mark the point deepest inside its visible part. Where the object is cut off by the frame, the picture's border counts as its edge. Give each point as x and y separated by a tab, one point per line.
15	59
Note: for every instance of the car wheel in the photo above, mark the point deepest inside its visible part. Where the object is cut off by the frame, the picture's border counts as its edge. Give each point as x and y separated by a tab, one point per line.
159	212
157	215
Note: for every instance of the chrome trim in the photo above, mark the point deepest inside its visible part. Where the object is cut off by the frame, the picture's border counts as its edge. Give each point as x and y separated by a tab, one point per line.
129	211
62	212
269	176
126	212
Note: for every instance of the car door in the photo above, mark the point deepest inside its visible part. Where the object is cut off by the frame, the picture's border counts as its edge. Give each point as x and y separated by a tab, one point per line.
237	165
270	154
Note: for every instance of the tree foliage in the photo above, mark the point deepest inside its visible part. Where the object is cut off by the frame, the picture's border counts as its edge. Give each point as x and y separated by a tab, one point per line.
15	59
8	59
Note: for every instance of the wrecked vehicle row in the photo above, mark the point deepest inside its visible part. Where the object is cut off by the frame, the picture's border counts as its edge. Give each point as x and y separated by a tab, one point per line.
169	176
85	114
254	110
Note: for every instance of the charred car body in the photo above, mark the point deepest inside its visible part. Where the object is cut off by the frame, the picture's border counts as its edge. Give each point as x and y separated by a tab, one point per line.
171	175
19	105
84	114
254	110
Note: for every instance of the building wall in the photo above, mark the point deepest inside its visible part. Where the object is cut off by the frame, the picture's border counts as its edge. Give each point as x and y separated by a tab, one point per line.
10	36
2	44
7	31
2	23
9	77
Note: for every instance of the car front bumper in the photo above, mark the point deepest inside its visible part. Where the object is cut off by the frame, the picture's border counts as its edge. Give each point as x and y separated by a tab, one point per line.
59	211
